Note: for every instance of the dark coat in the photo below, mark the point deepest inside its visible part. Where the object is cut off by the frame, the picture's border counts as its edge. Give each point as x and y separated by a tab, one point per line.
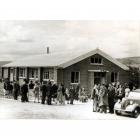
111	93
54	91
7	85
44	90
16	87
72	93
24	89
49	90
31	85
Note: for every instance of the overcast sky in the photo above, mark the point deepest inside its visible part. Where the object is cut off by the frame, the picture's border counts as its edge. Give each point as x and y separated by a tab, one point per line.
22	38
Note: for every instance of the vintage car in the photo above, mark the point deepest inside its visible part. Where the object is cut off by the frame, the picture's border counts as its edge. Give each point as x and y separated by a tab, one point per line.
129	105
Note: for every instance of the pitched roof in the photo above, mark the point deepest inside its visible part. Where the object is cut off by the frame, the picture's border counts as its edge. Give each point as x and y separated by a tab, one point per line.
62	59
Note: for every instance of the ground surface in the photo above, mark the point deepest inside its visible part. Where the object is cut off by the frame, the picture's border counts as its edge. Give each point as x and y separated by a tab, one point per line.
11	109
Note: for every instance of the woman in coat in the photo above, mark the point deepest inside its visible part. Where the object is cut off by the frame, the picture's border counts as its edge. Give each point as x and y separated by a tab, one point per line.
36	91
95	98
60	94
103	99
67	95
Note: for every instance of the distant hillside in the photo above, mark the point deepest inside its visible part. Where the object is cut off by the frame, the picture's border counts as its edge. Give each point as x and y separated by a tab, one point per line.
130	61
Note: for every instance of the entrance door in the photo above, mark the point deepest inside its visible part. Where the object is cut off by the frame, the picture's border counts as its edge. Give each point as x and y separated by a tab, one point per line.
99	77
95	78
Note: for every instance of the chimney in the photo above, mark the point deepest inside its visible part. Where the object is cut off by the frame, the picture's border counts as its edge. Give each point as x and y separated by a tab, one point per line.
48	50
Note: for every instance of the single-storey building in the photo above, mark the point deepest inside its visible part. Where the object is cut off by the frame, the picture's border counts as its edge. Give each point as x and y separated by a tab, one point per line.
85	68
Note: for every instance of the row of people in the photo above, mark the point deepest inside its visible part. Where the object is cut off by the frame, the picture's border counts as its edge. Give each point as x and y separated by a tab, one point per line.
45	91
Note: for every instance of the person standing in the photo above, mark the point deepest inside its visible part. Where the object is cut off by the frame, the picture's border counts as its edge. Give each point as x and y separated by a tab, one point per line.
127	91
103	99
54	92
72	94
60	94
24	91
77	92
63	94
111	98
7	87
67	95
95	93
44	92
120	93
49	93
16	89
36	91
31	87
11	89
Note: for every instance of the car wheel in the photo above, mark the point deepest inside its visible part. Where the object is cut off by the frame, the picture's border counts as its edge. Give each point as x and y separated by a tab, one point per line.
136	113
117	113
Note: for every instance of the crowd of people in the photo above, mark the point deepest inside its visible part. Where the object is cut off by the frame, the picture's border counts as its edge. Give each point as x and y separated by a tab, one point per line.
105	96
45	92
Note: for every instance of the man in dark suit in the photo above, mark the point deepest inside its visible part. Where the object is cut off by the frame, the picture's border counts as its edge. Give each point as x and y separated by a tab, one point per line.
44	92
49	93
16	89
24	91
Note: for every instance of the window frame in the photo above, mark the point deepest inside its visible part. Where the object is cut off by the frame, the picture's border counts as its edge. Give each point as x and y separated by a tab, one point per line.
115	76
50	73
23	75
74	77
33	71
96	60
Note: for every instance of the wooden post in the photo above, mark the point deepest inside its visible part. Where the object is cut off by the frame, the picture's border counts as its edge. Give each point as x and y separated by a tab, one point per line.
55	74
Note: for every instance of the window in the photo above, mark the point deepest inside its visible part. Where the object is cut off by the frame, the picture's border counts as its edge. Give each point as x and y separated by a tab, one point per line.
22	72
33	73
48	74
75	77
96	60
114	76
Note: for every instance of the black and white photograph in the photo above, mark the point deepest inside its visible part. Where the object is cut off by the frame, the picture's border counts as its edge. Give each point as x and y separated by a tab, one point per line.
70	69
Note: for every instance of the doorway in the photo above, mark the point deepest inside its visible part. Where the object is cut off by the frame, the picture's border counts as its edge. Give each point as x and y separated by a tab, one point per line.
99	77
95	78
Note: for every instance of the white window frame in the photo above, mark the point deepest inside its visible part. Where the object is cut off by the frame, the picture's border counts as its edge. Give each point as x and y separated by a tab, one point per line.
78	78
49	75
23	72
35	73
94	61
44	75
